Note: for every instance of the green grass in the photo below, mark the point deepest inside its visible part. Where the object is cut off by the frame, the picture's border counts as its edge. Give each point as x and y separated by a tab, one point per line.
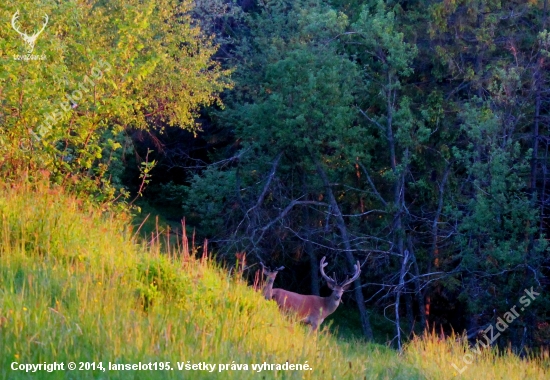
75	286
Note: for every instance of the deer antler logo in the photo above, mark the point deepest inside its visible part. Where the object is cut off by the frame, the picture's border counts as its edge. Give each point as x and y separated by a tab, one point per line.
29	40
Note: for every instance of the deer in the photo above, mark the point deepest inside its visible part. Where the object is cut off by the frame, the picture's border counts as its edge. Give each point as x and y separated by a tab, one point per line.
270	274
29	40
312	310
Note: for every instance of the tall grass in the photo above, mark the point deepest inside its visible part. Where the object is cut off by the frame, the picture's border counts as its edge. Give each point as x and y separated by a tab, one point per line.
435	357
76	286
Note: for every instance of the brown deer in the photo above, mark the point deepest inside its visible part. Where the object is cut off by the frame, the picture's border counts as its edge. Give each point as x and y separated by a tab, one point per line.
313	309
270	274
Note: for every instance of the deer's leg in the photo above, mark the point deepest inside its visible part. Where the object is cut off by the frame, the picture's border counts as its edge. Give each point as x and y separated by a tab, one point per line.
312	322
307	320
314	327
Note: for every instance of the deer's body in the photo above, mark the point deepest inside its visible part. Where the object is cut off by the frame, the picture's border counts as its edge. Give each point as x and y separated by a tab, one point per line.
311	309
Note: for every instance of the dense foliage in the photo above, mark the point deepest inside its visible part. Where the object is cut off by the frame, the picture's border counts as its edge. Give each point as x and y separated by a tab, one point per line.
411	135
98	70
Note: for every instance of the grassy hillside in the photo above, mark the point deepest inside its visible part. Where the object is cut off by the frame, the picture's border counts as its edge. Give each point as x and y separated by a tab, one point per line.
75	286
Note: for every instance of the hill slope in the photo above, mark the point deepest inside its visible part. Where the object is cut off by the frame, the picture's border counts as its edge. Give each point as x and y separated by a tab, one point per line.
76	287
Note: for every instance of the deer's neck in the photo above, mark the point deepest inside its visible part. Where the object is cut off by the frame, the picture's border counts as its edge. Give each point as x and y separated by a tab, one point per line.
331	303
268	288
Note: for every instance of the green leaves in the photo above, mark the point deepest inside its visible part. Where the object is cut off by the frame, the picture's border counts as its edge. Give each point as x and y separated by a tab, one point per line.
377	32
109	66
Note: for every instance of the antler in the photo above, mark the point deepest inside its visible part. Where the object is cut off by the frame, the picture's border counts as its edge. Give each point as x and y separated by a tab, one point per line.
322	269
333	280
357	268
13	20
46	19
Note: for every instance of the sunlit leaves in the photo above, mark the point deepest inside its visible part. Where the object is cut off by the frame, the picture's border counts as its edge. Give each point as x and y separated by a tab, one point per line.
108	66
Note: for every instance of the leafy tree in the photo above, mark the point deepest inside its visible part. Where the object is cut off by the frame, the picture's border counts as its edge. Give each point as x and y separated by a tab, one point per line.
107	67
409	134
294	117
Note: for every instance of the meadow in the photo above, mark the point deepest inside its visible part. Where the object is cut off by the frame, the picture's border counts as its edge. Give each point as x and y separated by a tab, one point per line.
78	285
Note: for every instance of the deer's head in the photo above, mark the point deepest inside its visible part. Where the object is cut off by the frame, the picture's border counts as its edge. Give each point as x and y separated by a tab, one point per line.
338	287
270	273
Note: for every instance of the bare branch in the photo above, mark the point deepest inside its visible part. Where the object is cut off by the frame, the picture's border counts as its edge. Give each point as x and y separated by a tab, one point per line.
290	207
371	119
373	187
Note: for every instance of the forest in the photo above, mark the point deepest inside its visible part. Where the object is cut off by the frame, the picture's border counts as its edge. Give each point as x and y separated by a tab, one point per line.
411	136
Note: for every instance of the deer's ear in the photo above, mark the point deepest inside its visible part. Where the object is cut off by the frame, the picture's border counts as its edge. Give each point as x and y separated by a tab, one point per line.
346	287
331	285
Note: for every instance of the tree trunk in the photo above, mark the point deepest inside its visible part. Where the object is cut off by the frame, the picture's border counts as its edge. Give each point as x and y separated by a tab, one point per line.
409	310
314	264
398	291
365	324
418	293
